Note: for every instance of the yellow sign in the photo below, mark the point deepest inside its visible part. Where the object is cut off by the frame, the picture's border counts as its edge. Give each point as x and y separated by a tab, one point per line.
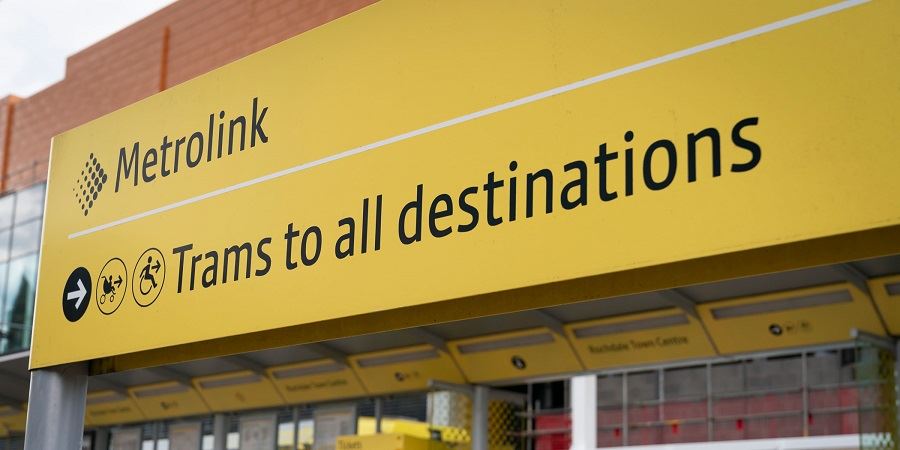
653	337
404	369
12	419
520	354
315	381
387	441
407	154
110	407
811	316
169	399
237	390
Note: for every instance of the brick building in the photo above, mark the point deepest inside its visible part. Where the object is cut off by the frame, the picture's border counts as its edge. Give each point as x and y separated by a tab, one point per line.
177	43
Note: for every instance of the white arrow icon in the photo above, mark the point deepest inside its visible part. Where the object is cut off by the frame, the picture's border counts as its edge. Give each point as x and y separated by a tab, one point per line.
79	294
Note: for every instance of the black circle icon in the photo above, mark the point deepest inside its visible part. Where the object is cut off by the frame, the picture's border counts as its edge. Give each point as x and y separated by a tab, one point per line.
518	362
148	277
76	295
775	329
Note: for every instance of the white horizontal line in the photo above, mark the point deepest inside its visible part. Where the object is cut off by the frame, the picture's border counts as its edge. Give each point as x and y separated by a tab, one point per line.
488	111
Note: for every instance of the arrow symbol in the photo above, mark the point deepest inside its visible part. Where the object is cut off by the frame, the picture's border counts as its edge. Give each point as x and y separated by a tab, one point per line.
79	294
156	267
119	281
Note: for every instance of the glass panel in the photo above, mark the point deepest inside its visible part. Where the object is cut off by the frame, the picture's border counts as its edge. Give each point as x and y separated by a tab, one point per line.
26	238
233	441
4	244
3	269
285	435
685	407
727	378
4	343
785	373
4	327
766	403
305	433
643	387
30	203
609	410
685	383
875	372
644	425
833	392
6	210
19	302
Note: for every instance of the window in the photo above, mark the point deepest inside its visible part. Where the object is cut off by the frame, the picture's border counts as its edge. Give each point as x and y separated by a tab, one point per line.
21	217
834	391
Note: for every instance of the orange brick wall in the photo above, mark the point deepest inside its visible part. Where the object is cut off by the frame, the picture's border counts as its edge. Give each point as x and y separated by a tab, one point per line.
7	106
129	66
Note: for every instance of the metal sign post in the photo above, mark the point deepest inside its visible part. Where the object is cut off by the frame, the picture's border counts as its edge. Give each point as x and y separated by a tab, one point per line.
56	407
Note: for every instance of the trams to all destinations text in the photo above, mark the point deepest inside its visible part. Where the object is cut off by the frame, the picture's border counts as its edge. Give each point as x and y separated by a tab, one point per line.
573	184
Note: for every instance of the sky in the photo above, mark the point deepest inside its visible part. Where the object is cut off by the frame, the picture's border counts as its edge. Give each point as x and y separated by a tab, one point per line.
36	36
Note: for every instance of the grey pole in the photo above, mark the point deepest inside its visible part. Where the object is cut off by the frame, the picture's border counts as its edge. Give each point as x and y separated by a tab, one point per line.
480	418
295	417
219	432
378	414
897	387
101	439
56	407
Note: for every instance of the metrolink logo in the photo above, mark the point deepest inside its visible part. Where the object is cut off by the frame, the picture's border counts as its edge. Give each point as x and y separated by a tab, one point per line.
89	184
223	137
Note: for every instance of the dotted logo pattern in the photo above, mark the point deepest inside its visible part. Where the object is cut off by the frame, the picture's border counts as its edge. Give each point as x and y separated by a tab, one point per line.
89	184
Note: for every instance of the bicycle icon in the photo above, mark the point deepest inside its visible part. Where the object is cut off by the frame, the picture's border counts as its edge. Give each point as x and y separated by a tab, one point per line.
149	276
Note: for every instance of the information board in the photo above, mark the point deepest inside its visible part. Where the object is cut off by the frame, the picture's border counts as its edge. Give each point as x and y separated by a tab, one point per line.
421	151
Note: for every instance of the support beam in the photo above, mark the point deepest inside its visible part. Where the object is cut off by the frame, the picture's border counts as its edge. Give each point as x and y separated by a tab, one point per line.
101	439
24	355
509	397
295	419
855	277
429	338
897	386
438	385
548	321
171	375
246	363
220	432
678	298
875	340
330	352
105	384
379	407
480	418
56	408
583	392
